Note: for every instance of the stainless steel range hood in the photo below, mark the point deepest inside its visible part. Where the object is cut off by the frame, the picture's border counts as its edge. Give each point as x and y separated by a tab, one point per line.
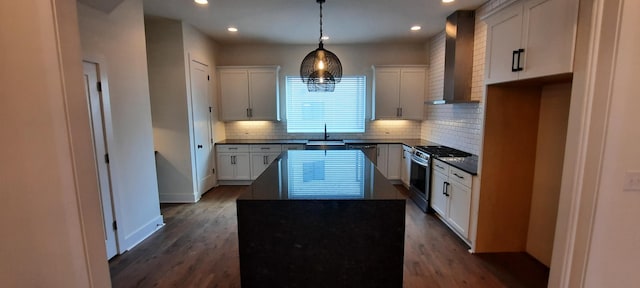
458	59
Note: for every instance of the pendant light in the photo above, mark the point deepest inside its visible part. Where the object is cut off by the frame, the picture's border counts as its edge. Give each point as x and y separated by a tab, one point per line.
321	69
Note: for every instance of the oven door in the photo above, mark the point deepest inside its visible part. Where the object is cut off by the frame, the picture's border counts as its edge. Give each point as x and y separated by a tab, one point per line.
419	181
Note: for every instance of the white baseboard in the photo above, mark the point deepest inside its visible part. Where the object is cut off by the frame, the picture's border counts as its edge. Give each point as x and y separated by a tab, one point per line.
234	182
141	233
178	198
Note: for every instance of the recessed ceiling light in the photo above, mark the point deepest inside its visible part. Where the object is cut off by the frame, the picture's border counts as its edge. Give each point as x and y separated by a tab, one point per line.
416	28
232	29
201	2
448	1
325	37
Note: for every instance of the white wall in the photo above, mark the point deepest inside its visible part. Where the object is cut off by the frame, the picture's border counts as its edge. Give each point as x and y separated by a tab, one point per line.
118	37
614	252
169	109
171	45
356	60
52	227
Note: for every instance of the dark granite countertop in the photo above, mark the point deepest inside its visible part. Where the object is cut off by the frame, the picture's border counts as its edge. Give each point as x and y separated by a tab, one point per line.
322	175
408	142
467	164
261	141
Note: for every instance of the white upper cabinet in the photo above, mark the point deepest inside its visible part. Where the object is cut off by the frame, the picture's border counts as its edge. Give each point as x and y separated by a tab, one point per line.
399	92
531	39
249	93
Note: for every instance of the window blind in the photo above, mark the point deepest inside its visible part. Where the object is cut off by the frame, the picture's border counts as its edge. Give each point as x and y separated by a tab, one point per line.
334	175
343	111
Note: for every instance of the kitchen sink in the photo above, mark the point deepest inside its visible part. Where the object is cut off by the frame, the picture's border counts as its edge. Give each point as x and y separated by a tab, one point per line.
325	145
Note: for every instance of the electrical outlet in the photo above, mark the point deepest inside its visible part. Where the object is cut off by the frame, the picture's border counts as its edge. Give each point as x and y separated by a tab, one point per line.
632	181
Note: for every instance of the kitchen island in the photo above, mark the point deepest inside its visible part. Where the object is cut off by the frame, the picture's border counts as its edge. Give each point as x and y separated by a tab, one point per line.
321	219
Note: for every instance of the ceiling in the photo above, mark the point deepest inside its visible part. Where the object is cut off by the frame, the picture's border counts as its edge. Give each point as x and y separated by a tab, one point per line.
298	21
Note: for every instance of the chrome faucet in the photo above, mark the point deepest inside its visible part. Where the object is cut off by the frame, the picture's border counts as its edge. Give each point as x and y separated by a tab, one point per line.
326	136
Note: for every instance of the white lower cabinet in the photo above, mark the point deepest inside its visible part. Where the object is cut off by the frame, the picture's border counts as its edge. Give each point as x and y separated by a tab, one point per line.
234	166
382	151
394	162
459	207
389	160
405	169
245	162
451	196
261	157
438	196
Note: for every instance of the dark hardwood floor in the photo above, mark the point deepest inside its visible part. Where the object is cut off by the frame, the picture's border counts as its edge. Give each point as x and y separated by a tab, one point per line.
198	247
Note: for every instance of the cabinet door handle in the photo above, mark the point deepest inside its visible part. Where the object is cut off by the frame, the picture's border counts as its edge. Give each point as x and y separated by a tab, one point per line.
199	146
233	160
444	188
248	113
461	177
439	166
400	112
446	184
264	160
233	148
520	52
514	68
265	148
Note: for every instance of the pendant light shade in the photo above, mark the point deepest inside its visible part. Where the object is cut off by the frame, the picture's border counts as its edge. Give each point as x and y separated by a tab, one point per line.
321	69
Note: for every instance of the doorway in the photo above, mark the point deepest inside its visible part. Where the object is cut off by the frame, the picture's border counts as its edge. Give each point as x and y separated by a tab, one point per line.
94	94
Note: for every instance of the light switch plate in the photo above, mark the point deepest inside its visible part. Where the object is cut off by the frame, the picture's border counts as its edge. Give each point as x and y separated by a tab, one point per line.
632	181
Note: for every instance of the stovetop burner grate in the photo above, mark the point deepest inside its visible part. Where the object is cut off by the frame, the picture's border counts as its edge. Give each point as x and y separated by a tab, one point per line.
443	151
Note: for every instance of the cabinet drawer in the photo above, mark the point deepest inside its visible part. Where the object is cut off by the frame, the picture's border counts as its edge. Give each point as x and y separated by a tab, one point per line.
440	167
460	176
266	148
232	148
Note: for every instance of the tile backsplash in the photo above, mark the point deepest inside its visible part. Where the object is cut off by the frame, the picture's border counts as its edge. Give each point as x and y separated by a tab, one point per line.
456	125
379	129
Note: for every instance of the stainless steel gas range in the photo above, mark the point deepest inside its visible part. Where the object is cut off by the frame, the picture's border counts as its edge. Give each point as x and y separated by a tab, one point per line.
420	179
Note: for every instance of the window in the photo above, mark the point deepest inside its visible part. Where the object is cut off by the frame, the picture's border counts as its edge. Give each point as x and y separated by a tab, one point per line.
342	110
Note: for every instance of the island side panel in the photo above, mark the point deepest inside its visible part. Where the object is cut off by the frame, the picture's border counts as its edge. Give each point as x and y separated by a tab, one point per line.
321	243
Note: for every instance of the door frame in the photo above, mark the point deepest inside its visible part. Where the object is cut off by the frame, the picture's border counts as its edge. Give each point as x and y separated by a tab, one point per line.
100	61
599	25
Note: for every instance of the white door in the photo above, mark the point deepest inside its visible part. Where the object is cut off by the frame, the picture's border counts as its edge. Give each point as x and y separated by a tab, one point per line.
382	157
459	207
439	199
412	91
226	168
548	37
503	37
94	95
263	94
406	167
387	93
234	94
394	161
202	138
